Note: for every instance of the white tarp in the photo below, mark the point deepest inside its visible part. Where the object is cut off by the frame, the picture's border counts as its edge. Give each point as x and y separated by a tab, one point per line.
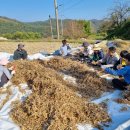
120	119
30	57
5	121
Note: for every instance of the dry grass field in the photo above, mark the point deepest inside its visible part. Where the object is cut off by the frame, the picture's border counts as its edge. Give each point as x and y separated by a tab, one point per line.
32	47
121	45
38	46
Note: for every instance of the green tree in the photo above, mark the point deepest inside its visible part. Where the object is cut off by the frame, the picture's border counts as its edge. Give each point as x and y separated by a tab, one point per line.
87	27
118	23
23	35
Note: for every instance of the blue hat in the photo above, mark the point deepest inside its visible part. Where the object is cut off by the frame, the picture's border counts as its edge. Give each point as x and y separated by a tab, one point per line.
111	44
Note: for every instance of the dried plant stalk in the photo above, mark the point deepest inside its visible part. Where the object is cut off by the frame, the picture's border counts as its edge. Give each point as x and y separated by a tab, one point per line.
52	104
90	85
8	91
126	98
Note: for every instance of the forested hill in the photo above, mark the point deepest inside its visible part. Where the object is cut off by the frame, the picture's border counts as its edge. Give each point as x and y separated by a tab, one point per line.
8	25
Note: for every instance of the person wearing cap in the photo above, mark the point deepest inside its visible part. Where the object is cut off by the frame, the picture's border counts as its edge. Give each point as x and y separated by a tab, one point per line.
111	44
64	49
97	55
20	53
124	72
98	41
87	51
110	58
5	73
121	62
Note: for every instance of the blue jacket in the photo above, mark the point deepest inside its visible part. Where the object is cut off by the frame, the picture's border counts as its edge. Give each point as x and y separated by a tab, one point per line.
20	54
125	72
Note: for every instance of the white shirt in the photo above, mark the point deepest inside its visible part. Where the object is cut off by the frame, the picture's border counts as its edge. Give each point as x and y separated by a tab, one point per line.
63	50
90	50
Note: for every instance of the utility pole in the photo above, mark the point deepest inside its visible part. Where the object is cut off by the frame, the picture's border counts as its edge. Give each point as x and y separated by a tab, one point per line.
62	29
51	27
57	22
91	27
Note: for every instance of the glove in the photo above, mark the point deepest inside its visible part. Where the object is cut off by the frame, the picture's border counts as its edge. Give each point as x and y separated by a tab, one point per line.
13	72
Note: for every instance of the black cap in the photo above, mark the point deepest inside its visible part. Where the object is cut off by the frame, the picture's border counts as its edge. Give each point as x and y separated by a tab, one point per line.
123	53
128	57
85	44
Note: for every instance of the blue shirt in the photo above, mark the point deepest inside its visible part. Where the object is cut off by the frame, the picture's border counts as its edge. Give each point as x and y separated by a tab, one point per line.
125	72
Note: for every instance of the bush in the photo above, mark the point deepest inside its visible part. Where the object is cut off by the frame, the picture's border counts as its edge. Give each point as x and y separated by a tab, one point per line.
123	32
22	35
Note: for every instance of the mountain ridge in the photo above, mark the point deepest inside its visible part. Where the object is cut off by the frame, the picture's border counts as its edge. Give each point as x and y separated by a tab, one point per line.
9	25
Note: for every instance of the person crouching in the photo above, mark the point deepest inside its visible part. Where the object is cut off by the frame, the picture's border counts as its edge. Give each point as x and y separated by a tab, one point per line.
64	49
97	55
87	51
5	73
110	58
121	62
124	72
20	53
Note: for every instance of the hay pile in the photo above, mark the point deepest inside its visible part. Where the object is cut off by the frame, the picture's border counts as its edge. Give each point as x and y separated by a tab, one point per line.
126	98
8	93
89	85
52	104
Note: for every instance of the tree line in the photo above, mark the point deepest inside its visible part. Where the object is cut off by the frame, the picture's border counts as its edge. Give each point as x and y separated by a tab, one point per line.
23	35
117	25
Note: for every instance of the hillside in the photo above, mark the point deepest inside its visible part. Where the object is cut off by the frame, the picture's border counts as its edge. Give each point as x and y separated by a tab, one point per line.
8	25
95	24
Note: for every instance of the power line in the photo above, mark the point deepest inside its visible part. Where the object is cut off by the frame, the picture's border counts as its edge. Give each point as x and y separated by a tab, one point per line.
64	2
73	5
64	16
69	7
61	12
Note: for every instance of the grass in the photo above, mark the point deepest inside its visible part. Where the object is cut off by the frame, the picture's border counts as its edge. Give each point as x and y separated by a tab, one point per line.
121	45
32	47
36	46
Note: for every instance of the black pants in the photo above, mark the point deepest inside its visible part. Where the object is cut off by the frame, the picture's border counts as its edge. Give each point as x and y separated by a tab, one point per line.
119	84
4	80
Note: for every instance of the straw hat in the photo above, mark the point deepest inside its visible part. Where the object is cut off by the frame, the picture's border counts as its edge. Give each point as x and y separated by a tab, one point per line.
4	61
96	47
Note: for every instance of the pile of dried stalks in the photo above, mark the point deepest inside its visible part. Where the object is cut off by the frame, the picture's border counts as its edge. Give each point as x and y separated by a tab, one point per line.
52	104
89	85
126	99
8	93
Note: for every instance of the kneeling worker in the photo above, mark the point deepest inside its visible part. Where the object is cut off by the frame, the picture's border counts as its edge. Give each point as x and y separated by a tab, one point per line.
124	72
97	55
5	73
20	53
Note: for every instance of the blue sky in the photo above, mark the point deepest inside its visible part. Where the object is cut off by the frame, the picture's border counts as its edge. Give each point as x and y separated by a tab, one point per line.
39	10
